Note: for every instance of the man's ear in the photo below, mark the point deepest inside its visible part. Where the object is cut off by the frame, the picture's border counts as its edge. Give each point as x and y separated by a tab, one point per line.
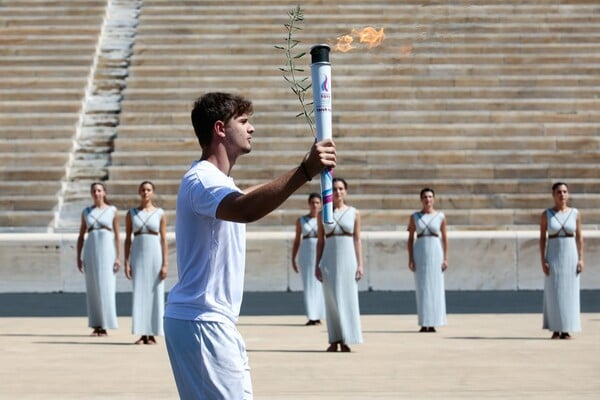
219	128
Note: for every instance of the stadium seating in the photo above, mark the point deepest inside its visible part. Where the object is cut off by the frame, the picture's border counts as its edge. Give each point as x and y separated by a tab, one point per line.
486	101
46	50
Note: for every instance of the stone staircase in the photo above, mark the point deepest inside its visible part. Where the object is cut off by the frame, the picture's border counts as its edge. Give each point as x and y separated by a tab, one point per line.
46	49
485	101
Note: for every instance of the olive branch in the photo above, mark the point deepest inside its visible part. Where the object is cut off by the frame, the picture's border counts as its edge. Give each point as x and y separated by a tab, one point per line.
291	72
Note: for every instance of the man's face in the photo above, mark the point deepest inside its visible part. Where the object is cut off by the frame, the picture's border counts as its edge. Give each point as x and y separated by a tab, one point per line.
238	133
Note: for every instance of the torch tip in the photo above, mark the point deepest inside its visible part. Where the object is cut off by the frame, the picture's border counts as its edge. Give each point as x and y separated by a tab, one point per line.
320	53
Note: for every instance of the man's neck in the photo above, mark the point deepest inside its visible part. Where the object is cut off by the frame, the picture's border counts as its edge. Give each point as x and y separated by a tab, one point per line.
219	159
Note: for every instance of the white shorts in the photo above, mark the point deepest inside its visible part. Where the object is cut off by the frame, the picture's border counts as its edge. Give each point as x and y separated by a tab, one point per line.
208	359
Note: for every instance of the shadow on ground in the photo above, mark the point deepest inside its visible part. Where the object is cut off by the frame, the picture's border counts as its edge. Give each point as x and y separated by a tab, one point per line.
291	303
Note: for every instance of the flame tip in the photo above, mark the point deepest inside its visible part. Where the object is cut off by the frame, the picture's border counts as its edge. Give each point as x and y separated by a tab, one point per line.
368	36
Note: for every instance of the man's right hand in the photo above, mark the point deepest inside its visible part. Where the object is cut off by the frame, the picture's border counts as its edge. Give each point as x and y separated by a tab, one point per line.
321	155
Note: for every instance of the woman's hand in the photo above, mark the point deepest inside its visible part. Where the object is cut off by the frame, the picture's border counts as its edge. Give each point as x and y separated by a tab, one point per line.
80	265
359	273
411	265
128	273
444	265
116	266
546	268
579	267
318	274
163	272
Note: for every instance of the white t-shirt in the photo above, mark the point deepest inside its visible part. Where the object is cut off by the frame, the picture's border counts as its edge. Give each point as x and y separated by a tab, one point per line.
211	252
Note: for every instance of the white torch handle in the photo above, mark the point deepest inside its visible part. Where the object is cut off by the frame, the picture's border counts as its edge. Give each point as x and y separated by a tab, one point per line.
322	99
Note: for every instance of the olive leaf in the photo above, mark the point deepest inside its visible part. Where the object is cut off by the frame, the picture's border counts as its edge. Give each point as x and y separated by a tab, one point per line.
294	76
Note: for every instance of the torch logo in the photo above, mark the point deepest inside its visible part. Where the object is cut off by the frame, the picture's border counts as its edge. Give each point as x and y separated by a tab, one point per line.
325	84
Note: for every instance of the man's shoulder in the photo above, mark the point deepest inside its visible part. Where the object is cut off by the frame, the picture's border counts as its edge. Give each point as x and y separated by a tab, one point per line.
207	173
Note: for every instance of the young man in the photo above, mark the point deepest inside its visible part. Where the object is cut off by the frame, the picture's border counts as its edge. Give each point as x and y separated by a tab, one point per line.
207	353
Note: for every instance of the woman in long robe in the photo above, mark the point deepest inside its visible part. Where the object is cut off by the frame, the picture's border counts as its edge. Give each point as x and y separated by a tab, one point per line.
561	249
146	263
304	251
100	260
428	259
339	267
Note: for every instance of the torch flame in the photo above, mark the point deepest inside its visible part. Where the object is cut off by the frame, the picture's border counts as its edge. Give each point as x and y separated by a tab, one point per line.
368	36
371	36
344	43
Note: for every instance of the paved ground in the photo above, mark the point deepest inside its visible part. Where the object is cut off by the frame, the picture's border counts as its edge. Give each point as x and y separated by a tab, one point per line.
493	354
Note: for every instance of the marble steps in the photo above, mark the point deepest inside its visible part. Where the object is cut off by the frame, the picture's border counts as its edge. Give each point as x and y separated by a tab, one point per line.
36	87
35	160
40	106
458	79
31	202
31	147
39	72
418	59
28	188
372	219
140	96
28	221
345	101
356	119
57	60
396	201
44	132
23	173
183	7
342	119
140	143
356	102
36	96
401	40
38	221
153	49
412	187
259	71
294	128
366	158
35	117
329	28
425	173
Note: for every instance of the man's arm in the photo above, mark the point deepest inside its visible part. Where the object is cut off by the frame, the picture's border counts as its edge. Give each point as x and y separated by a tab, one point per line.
255	204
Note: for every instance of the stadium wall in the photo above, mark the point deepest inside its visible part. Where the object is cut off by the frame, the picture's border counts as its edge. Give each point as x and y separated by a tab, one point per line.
479	260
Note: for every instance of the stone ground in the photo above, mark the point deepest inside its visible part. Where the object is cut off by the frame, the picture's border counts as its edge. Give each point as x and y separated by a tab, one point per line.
498	352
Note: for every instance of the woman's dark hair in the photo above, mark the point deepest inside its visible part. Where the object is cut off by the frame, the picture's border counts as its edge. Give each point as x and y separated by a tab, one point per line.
341	180
425	190
103	187
314	195
146	183
557	184
213	107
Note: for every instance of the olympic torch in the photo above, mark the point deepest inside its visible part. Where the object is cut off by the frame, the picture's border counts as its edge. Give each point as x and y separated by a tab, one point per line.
320	70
